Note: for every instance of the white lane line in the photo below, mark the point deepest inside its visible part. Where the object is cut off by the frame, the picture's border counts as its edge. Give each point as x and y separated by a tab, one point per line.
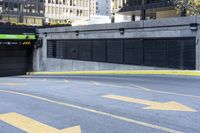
164	92
95	83
66	81
28	79
58	81
141	88
44	80
168	130
52	81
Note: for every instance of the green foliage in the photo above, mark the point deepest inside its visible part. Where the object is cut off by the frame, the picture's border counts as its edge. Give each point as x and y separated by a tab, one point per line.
187	7
64	23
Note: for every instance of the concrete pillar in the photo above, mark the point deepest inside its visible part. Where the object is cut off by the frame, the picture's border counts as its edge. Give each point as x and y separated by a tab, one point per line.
113	18
37	59
143	14
198	50
40	56
44	54
198	45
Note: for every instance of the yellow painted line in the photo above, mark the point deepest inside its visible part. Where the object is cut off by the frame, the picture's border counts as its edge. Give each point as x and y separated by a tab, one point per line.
76	129
32	126
13	84
126	72
125	119
153	105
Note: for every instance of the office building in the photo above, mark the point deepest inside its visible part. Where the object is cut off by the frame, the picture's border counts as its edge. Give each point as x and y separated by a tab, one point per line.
28	12
92	7
61	11
144	9
103	7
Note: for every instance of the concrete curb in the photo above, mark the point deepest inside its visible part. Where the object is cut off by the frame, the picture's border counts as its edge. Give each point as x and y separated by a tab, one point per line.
122	72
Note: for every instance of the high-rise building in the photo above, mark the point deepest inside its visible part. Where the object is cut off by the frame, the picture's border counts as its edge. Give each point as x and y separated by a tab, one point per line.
92	7
29	12
103	7
60	11
37	12
144	9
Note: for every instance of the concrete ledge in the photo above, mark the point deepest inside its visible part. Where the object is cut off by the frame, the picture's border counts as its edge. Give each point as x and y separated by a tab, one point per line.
122	72
170	21
167	22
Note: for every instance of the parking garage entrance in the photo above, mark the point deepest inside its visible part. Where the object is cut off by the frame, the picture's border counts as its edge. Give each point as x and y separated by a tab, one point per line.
15	54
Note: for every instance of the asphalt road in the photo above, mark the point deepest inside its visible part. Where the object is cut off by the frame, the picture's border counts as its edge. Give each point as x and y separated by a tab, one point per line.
100	104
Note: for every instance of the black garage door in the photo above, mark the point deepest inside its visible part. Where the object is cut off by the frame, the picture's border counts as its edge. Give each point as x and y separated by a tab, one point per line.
15	60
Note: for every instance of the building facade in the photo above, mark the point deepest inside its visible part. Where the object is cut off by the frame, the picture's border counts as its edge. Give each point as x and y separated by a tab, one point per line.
103	7
144	9
60	11
92	7
123	46
29	12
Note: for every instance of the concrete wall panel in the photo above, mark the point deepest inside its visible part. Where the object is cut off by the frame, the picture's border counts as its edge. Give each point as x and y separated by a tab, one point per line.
162	28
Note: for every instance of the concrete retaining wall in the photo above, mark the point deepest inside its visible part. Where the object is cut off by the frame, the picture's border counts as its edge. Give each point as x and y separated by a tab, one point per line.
72	65
163	28
198	46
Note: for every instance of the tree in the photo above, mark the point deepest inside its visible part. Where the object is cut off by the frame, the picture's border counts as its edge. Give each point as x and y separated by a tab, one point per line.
187	7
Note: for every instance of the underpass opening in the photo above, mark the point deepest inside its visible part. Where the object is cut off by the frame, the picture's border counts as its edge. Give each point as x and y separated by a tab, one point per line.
15	57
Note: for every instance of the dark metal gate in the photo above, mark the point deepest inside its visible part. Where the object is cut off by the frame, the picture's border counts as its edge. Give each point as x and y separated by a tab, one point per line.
15	59
178	53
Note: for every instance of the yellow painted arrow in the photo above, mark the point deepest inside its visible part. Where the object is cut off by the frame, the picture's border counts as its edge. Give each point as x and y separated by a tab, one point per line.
13	84
31	126
172	106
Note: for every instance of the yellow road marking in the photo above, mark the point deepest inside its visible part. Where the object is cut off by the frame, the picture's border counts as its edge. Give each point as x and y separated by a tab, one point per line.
126	72
125	119
172	106
13	84
32	126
